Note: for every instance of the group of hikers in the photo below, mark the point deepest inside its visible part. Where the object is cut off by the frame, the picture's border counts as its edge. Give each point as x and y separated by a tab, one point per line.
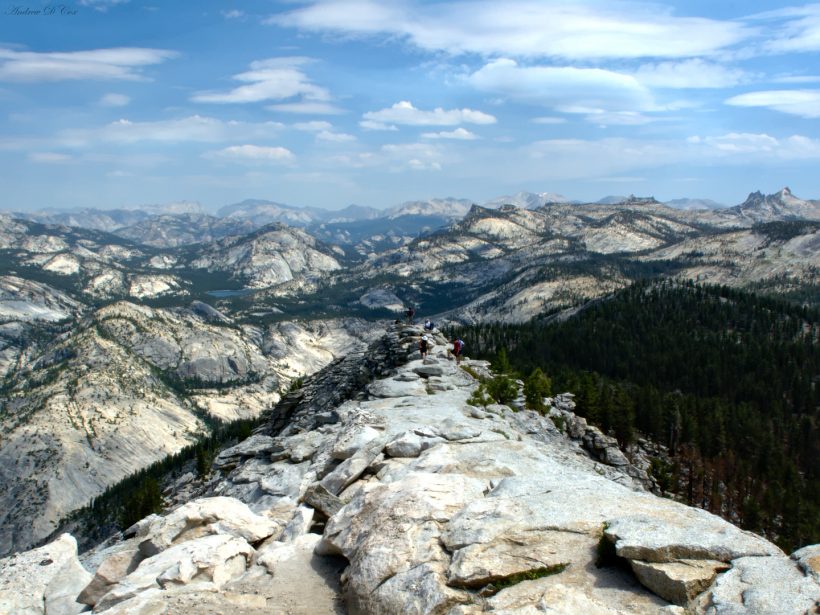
425	342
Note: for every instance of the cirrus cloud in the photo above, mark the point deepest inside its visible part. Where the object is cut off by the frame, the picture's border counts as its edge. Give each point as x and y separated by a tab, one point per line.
524	28
251	153
118	63
803	103
405	113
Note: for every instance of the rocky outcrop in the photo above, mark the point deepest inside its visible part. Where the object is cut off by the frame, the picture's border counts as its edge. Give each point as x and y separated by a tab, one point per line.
421	503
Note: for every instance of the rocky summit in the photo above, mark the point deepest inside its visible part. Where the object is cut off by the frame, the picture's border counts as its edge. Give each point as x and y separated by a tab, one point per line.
377	488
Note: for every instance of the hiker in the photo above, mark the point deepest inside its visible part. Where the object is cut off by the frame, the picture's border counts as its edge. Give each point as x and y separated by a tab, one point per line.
411	312
424	346
428	325
458	346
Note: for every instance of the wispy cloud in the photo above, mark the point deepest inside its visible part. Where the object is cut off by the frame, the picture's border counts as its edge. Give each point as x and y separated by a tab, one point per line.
334	137
797	29
270	79
372	125
405	113
313	126
803	103
562	86
742	147
525	28
307	107
115	100
120	63
195	128
549	120
102	5
49	157
689	74
233	14
251	153
460	134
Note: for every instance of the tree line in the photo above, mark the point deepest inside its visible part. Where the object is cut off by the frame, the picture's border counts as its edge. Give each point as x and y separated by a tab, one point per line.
726	379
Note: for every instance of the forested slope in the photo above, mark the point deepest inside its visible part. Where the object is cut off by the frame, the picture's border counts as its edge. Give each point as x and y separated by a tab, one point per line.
726	379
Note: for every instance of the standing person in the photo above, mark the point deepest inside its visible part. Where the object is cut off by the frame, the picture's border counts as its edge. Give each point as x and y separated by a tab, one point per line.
458	346
411	312
424	346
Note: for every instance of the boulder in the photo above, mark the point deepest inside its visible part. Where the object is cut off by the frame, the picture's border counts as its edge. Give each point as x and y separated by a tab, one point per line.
50	576
350	469
351	441
407	444
202	517
679	581
110	571
395	388
678	533
809	560
209	561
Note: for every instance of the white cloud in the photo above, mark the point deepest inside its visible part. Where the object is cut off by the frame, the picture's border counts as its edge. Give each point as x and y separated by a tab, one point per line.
252	153
314	126
694	73
49	157
307	108
119	63
233	14
115	100
459	134
799	32
101	5
405	113
525	28
371	125
549	120
270	79
335	137
195	128
745	146
803	103
602	117
562	86
397	157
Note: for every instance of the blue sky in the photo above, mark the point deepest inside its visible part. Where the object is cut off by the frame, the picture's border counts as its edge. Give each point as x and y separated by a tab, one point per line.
111	103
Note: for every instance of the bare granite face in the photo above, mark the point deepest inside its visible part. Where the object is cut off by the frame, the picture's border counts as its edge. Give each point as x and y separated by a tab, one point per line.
353	500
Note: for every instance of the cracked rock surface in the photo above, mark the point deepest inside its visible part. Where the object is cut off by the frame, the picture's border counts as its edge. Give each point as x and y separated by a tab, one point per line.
366	496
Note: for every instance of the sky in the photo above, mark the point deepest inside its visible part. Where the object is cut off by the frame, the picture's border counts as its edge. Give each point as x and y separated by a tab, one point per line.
326	103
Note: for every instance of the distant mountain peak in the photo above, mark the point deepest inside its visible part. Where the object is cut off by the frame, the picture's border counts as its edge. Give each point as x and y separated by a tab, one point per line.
782	205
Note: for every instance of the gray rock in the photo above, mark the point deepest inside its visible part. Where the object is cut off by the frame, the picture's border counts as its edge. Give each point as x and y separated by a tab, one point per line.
407	444
680	581
683	533
429	370
395	388
350	469
111	570
351	441
764	586
29	580
322	500
809	560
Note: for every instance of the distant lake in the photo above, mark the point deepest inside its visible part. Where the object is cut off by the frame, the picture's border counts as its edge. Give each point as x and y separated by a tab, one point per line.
229	293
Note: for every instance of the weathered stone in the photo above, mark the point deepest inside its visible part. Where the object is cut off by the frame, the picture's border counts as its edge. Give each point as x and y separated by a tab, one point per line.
809	560
350	469
250	447
395	388
406	445
298	525
429	370
112	569
764	586
210	561
351	441
683	533
678	581
452	430
217	515
322	500
26	578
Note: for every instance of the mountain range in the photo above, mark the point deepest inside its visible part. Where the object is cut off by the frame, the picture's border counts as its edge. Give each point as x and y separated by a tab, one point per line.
120	346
